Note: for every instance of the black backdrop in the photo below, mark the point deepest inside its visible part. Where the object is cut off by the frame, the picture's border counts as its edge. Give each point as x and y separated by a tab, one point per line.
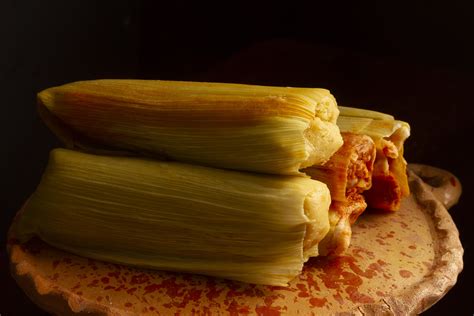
413	60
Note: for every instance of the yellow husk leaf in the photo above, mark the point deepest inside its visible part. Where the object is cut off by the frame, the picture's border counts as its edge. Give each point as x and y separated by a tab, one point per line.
244	127
363	113
173	216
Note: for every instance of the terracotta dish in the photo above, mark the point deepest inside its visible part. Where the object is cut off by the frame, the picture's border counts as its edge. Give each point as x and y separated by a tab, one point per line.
398	263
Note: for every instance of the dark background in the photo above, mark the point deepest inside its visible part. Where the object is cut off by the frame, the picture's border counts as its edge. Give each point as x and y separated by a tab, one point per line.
412	60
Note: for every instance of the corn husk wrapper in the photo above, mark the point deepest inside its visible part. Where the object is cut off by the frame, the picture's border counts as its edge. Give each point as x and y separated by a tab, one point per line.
244	127
178	217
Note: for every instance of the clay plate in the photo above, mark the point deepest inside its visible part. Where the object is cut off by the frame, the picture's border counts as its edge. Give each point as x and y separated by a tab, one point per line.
398	263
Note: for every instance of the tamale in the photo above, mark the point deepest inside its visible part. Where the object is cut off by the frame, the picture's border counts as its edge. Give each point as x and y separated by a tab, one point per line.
390	181
233	126
348	174
172	216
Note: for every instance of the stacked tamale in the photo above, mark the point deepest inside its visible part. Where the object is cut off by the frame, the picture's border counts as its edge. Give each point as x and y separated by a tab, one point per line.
237	181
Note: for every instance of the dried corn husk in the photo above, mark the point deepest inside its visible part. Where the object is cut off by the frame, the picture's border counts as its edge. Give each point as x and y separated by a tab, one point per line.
172	216
244	127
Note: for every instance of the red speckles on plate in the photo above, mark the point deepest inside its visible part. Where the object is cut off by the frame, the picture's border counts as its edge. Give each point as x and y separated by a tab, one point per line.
303	291
405	273
236	309
193	295
54	277
338	298
93	283
317	302
212	292
56	263
380	293
172	288
139	279
357	297
362	252
75	287
115	274
376	266
268	309
380	241
151	288
121	287
131	290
